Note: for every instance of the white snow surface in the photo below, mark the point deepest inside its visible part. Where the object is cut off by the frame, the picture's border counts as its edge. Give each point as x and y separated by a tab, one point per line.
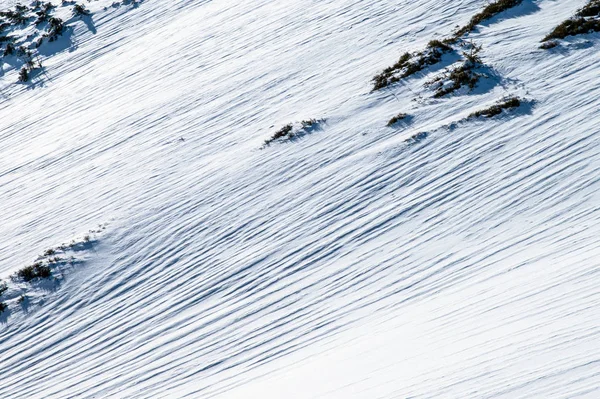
344	264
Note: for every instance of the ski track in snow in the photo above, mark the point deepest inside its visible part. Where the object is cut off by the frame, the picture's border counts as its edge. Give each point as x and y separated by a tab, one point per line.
344	264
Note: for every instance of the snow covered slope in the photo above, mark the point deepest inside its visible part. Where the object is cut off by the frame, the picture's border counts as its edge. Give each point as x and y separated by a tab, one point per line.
347	263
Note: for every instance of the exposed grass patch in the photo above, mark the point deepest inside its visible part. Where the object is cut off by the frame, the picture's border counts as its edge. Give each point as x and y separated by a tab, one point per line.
591	9
573	27
397	118
584	21
409	64
491	10
294	130
507	103
465	75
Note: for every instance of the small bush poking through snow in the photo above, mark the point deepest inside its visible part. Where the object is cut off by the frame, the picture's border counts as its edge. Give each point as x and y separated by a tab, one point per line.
3	307
9	50
285	131
507	103
23	75
55	28
80	11
49	252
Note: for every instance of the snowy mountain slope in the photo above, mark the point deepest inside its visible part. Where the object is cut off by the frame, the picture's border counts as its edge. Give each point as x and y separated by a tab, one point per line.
460	266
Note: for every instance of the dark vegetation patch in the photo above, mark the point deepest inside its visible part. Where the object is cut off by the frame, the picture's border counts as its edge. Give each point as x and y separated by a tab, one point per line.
37	270
23	75
397	118
409	64
497	109
586	20
3	307
294	130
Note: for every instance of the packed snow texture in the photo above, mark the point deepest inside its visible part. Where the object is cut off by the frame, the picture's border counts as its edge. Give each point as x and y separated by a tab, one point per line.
345	264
